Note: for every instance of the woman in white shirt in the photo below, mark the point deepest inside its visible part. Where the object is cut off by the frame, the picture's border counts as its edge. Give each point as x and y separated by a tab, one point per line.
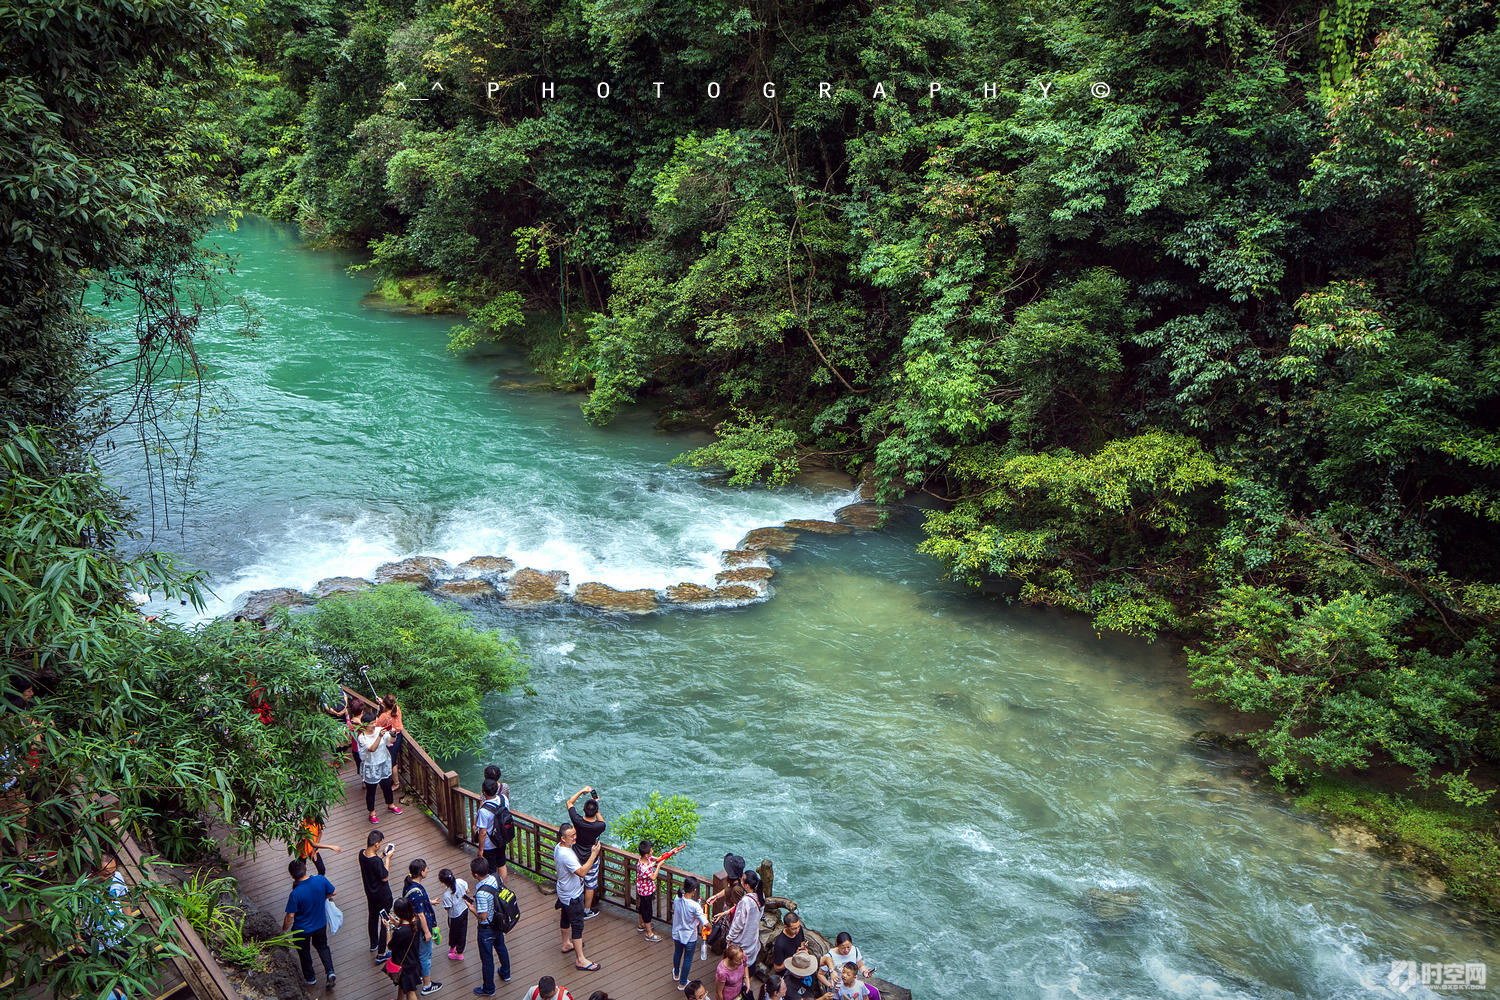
844	952
454	891
744	929
375	764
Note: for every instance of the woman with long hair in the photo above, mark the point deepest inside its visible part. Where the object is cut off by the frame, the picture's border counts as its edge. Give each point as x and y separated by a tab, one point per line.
375	764
744	928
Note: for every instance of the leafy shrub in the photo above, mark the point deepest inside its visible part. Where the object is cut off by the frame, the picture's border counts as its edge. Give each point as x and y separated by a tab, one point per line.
665	821
427	654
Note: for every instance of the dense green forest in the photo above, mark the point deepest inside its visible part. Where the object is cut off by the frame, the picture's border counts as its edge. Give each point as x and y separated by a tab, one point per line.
1187	311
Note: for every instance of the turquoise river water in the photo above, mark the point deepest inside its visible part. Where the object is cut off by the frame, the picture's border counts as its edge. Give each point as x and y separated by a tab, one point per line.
952	780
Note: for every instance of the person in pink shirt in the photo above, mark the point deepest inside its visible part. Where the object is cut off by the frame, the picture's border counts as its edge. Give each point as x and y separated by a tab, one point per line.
646	868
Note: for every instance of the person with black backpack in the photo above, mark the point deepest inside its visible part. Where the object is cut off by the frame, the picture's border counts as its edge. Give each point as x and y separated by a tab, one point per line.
494	827
496	912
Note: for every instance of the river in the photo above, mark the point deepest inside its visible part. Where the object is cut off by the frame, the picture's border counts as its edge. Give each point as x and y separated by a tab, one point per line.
953	781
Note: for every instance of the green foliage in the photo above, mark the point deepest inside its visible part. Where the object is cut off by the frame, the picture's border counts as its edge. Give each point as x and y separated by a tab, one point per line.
201	901
751	450
665	821
1459	845
427	654
1231	326
156	720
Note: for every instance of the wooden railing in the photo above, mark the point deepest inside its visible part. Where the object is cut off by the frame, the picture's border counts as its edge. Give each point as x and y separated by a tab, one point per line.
455	807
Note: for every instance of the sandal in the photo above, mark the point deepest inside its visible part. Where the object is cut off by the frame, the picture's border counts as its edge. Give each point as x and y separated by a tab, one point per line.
591	967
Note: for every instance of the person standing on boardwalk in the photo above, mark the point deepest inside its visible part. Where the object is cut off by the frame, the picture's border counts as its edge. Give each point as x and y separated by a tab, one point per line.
688	924
404	936
376	876
375	765
570	873
307	917
311	847
494	826
454	900
415	893
744	928
389	719
646	867
731	975
590	828
489	932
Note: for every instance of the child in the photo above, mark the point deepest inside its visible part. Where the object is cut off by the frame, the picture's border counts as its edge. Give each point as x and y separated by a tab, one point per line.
645	885
688	924
310	846
454	891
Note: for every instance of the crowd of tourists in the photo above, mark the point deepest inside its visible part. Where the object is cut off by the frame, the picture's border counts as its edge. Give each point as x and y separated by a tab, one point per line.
404	929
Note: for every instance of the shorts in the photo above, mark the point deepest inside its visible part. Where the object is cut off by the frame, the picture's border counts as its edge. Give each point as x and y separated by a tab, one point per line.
496	857
572	916
591	880
646	906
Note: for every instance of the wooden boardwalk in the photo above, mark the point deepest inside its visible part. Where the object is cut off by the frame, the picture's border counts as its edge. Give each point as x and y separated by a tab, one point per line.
631	967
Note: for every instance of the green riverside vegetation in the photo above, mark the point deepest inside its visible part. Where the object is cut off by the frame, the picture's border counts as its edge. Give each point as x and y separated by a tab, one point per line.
1215	354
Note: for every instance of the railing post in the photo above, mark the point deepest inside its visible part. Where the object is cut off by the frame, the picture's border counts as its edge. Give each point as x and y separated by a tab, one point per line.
452	808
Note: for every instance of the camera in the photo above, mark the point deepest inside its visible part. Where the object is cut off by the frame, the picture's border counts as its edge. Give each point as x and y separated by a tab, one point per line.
594	794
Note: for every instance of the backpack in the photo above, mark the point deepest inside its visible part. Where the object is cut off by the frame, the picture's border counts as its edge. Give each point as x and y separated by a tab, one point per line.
504	823
506	911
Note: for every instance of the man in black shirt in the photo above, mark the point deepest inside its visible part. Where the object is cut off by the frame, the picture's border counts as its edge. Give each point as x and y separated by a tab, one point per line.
791	940
590	827
375	874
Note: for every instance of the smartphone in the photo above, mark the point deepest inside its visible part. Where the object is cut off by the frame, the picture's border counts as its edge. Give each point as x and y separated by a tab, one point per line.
389	849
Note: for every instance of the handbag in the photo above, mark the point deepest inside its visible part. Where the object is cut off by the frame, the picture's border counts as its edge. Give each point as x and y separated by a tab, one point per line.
718	936
334	914
393	967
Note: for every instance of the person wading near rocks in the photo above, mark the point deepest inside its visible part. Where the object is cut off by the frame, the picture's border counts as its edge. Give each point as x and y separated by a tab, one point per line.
415	893
570	873
375	765
490	933
307	917
590	828
375	873
494	826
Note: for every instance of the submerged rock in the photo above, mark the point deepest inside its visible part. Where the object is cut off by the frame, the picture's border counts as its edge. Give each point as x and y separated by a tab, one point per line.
772	539
599	595
486	564
340	585
741	557
745	574
532	586
466	590
257	604
414	569
818	527
1112	904
861	515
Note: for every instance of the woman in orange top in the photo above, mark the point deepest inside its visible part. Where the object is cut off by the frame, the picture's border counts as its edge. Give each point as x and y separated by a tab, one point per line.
311	844
390	720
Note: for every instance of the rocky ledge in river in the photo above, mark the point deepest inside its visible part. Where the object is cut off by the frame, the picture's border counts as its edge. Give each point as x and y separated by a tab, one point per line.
530	587
421	570
607	598
745	578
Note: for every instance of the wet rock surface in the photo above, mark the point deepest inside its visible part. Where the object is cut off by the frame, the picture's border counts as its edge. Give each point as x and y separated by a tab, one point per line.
533	586
745	574
340	585
860	515
486	564
420	570
599	595
819	527
771	539
467	590
256	605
